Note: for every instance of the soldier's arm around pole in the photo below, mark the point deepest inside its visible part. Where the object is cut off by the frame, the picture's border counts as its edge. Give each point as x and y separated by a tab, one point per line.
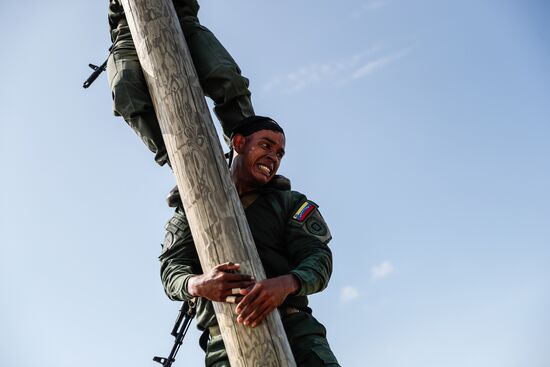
215	214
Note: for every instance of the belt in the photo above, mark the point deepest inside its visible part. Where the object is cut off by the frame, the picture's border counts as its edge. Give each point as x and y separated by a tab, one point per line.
283	311
288	310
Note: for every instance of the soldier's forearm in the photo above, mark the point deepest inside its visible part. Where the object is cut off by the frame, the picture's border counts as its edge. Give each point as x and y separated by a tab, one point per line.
313	273
175	282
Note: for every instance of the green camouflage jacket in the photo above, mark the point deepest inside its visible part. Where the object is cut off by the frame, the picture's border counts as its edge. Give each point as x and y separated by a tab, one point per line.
290	235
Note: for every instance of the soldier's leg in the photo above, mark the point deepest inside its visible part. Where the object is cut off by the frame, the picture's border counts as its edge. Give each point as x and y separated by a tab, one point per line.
216	355
307	338
219	74
132	101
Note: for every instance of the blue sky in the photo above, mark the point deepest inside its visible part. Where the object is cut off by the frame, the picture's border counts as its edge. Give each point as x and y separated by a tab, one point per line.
420	128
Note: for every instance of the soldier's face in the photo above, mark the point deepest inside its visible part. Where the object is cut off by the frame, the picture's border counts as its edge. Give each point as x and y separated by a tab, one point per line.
258	157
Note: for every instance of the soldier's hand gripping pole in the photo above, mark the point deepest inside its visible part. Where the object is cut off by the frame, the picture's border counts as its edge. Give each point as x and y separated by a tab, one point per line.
185	315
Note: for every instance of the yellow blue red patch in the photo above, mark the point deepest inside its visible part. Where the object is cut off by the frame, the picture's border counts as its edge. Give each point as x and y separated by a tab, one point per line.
302	213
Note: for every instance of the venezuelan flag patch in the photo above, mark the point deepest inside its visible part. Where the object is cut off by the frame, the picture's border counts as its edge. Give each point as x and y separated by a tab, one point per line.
305	209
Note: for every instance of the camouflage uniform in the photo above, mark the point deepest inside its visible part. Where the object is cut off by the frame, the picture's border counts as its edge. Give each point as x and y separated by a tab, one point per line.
291	237
219	75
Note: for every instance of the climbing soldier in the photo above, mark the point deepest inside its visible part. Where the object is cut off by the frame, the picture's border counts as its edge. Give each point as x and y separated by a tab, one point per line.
219	76
291	237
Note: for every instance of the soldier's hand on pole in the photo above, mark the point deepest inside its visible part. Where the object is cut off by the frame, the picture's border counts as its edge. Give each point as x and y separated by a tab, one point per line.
264	297
221	284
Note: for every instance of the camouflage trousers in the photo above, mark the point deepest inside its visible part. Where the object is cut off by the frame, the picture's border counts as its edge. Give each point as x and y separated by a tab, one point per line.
219	76
307	338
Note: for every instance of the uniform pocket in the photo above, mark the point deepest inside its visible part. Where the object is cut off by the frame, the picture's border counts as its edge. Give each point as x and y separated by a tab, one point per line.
319	356
307	338
325	355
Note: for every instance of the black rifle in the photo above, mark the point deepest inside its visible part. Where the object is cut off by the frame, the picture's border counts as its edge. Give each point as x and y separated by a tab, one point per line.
97	70
186	314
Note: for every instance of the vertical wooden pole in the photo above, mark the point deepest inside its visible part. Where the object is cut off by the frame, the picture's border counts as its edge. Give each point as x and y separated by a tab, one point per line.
215	214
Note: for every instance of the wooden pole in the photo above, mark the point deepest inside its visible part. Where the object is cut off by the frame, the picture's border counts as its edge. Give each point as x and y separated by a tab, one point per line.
211	202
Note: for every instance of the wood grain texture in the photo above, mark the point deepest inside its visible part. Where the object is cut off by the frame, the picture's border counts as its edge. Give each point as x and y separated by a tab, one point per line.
215	214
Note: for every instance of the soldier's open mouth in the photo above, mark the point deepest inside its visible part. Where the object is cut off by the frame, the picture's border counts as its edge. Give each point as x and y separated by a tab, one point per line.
264	169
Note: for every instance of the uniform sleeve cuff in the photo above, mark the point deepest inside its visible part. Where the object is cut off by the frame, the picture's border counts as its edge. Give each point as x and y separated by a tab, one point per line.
301	279
184	290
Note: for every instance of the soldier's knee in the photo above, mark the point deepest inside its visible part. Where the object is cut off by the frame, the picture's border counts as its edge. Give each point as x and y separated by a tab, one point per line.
218	73
130	94
225	83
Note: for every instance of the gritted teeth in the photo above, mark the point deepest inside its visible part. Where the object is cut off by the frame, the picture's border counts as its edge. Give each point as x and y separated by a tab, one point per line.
264	168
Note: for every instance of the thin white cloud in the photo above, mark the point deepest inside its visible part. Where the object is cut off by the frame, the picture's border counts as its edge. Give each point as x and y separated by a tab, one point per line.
382	270
370	67
373	65
337	72
349	294
310	74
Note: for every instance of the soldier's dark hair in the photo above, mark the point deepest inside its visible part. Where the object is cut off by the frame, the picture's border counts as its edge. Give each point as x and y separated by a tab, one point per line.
253	124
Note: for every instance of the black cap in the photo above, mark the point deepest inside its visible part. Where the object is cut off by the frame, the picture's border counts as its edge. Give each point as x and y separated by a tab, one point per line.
253	124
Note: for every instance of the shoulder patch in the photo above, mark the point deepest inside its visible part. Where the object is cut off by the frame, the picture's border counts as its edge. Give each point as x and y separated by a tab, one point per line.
168	241
316	226
304	211
176	229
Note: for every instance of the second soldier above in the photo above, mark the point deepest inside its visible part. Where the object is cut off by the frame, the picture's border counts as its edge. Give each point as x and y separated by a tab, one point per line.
219	76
